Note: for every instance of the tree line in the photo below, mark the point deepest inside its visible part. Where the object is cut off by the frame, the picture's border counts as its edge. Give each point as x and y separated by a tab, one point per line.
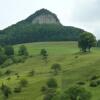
8	55
25	32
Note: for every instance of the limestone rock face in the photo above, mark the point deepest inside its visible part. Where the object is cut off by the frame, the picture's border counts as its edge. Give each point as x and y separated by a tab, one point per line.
45	19
43	16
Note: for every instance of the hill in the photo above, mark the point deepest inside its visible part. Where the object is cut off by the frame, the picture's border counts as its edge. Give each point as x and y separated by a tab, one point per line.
43	25
76	68
43	16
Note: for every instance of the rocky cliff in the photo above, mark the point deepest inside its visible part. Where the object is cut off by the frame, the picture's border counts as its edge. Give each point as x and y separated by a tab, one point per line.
43	16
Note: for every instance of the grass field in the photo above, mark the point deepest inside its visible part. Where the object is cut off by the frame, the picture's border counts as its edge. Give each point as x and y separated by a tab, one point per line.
75	69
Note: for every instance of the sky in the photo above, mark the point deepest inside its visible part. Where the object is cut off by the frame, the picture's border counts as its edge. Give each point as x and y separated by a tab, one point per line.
83	14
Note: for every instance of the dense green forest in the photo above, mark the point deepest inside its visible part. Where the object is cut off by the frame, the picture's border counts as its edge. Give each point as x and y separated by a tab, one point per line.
23	32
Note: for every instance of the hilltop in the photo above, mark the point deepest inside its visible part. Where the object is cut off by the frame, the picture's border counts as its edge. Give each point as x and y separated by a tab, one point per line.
43	16
43	25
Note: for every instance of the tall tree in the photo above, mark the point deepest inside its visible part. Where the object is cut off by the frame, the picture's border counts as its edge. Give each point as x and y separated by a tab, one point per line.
22	51
56	68
44	54
86	41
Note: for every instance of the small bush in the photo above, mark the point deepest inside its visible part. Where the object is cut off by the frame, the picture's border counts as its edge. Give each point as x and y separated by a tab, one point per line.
31	73
44	89
17	89
94	77
8	62
23	51
17	75
81	83
51	83
76	56
56	68
16	59
19	59
23	82
76	93
5	90
50	93
8	78
48	96
98	82
93	84
8	72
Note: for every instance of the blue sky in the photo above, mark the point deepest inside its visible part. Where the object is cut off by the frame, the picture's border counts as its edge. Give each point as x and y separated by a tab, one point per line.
84	14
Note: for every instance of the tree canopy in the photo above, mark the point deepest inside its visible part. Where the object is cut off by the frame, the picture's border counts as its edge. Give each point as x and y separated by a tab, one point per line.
86	41
24	32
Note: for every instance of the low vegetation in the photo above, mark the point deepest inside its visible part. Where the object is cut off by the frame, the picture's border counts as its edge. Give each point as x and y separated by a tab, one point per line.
68	73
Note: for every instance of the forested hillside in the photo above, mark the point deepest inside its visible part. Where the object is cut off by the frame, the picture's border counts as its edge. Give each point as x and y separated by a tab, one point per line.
30	30
24	33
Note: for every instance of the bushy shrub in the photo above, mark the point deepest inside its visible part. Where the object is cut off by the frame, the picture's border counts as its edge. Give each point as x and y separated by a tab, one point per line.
19	59
8	72
23	82
17	75
5	90
8	62
48	96
76	93
31	73
81	83
23	51
17	89
44	89
44	55
94	77
8	78
98	82
76	56
93	84
51	83
56	68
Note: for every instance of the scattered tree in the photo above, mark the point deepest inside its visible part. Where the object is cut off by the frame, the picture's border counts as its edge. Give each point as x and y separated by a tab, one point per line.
23	82
76	93
6	91
44	89
86	41
23	51
94	83
8	72
31	73
56	68
50	94
51	83
17	89
44	54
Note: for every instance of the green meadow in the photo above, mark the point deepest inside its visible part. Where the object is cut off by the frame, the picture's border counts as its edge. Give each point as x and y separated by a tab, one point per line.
76	67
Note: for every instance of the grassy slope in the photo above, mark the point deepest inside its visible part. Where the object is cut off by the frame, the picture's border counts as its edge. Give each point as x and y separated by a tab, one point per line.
77	69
